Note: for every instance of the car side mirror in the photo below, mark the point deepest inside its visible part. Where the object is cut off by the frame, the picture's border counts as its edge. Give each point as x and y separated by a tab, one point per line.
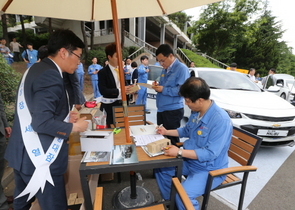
279	84
273	89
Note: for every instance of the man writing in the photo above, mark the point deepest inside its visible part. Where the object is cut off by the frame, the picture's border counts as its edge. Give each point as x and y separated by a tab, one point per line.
169	103
38	149
209	131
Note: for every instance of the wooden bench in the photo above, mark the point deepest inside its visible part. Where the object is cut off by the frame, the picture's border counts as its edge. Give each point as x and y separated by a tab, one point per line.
243	149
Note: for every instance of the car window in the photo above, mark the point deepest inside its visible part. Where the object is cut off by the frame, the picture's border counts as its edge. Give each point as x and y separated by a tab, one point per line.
154	73
269	82
228	80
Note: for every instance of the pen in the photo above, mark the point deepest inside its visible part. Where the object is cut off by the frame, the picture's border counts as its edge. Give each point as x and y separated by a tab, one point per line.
160	126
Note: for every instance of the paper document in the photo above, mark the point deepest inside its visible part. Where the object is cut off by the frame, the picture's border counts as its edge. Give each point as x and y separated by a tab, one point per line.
143	129
143	140
145	85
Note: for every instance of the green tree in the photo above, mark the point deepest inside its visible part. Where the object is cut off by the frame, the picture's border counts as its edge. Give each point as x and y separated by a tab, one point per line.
8	87
180	19
223	26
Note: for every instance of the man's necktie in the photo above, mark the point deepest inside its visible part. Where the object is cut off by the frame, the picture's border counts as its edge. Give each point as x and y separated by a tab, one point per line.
117	70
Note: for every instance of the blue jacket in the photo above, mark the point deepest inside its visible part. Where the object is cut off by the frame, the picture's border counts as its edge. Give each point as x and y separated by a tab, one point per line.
210	138
32	55
142	74
92	68
80	69
169	99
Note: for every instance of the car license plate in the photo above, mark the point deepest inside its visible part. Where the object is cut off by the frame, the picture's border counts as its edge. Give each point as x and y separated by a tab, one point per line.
151	95
262	132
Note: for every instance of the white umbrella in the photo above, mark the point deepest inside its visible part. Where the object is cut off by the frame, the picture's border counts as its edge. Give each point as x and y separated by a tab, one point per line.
96	10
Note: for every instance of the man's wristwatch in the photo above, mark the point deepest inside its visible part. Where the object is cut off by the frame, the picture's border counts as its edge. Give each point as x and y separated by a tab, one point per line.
179	153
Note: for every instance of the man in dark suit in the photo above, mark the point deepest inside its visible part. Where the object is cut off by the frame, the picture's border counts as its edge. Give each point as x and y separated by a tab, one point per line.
109	84
5	132
42	98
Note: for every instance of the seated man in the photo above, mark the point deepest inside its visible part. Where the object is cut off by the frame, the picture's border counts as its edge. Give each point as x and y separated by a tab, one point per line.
209	131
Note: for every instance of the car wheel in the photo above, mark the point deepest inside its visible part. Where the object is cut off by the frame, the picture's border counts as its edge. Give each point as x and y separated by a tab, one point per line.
283	95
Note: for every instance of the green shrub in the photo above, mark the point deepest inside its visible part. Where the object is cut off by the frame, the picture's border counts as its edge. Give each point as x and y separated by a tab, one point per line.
8	87
198	60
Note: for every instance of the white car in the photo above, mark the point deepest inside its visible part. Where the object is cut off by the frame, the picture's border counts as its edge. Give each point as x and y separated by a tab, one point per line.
280	84
250	108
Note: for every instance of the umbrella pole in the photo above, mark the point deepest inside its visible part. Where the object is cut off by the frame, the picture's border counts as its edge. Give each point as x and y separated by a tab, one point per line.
121	75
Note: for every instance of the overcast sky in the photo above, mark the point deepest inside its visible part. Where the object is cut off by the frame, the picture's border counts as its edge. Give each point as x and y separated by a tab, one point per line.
282	9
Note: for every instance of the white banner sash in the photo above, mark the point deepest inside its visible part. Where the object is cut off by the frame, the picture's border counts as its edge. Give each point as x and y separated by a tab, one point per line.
41	160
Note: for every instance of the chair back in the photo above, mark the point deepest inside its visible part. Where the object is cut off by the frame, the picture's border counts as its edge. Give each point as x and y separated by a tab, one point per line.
244	146
136	115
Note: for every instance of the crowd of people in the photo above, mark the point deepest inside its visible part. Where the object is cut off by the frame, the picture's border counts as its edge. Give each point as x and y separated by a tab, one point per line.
54	83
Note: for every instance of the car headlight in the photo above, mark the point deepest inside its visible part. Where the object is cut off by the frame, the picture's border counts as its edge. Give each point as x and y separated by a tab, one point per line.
233	114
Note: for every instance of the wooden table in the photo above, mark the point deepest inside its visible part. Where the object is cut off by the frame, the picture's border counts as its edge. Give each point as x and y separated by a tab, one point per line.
145	162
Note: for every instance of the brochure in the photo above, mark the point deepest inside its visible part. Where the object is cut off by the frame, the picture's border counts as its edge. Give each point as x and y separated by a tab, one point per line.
96	156
124	154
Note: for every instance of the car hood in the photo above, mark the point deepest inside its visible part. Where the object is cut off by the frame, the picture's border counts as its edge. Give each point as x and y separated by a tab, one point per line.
251	102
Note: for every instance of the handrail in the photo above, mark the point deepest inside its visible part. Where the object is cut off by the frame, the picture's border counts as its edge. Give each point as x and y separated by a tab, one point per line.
136	53
183	56
213	60
141	43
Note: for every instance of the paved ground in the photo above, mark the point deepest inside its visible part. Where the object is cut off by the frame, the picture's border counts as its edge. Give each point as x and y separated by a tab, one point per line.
271	187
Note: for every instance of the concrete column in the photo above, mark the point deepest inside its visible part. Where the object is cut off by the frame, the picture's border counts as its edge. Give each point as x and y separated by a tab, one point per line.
132	28
175	43
162	34
141	29
96	28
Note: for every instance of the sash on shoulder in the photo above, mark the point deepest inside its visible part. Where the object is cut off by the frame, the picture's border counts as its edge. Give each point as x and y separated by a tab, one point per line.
41	160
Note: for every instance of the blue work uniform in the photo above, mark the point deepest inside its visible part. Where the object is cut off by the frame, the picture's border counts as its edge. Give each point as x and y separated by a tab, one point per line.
169	103
94	78
128	75
32	56
142	78
171	79
210	138
80	74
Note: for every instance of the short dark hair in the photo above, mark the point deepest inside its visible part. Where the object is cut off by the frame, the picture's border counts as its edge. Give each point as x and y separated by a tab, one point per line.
133	64
233	65
251	69
143	57
273	70
194	88
165	50
63	38
110	49
42	52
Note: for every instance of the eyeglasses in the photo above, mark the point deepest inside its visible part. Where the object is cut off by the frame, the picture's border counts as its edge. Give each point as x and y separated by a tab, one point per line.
163	60
80	57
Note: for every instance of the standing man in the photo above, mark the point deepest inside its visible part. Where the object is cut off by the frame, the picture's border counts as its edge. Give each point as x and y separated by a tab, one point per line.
251	75
80	73
93	70
14	47
169	102
5	51
30	55
5	132
128	71
109	84
209	131
38	149
143	71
